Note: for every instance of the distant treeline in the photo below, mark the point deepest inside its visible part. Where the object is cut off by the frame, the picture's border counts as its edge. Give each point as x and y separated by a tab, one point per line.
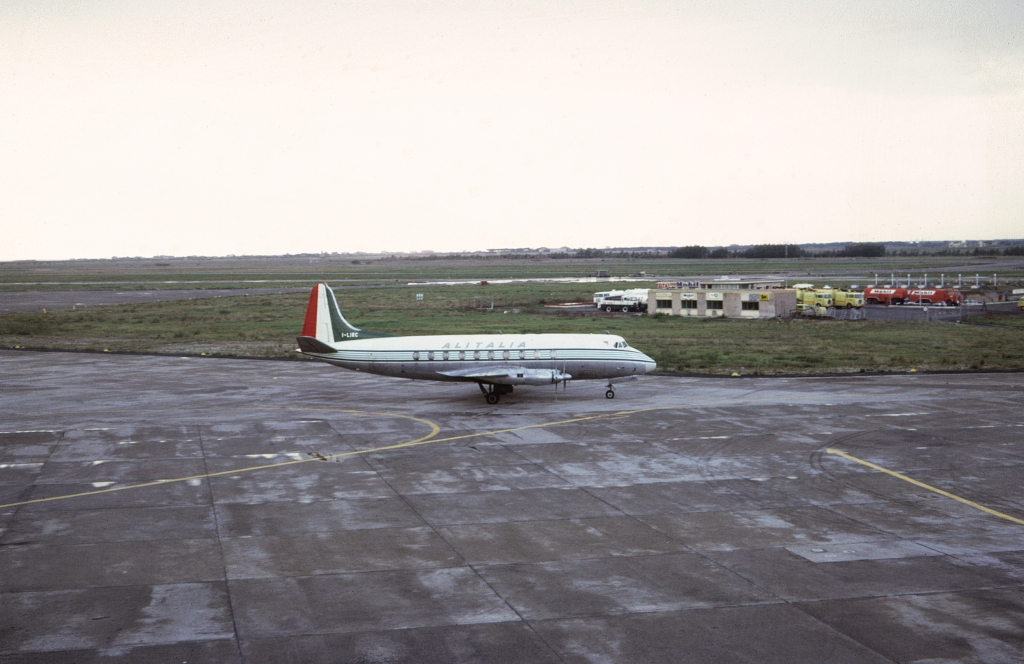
856	250
759	251
580	253
954	251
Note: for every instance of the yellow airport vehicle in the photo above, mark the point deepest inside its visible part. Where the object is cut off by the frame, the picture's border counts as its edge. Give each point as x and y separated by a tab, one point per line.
848	299
816	300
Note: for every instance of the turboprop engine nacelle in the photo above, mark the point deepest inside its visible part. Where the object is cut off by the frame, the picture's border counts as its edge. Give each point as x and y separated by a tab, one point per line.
531	377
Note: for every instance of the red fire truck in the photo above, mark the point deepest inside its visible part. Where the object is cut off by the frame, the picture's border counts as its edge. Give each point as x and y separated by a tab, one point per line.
949	297
885	295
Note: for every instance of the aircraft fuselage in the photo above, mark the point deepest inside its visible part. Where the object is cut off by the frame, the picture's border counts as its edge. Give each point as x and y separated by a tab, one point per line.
444	357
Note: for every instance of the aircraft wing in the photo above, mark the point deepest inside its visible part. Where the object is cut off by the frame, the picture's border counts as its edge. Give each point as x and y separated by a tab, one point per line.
484	373
509	375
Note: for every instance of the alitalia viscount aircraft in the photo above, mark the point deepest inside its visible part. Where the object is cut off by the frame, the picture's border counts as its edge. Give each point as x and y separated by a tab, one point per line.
495	362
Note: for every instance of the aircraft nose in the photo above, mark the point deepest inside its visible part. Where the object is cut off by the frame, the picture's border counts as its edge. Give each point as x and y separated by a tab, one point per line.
649	365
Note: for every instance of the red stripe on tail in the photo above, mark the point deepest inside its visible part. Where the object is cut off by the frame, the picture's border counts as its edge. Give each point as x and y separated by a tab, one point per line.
309	325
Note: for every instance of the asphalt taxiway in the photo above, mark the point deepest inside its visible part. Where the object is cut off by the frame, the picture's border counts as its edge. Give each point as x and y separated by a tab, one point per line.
164	509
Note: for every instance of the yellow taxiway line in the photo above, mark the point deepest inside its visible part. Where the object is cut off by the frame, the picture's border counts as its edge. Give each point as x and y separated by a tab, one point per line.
429	438
969	503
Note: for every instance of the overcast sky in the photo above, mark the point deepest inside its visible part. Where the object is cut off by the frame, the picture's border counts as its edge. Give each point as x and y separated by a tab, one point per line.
137	128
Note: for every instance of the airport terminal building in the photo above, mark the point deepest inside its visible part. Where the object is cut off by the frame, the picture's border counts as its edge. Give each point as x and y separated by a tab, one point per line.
728	297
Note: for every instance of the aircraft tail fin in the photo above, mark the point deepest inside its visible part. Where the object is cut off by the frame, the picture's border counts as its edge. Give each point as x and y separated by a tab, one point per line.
324	321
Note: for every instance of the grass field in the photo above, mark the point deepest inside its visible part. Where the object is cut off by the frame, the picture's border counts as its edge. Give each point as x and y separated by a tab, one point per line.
266	326
151	274
1014	319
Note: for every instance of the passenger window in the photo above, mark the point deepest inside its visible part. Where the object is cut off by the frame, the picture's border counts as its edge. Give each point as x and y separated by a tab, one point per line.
490	355
462	354
504	355
476	355
444	355
522	355
430	355
415	355
554	353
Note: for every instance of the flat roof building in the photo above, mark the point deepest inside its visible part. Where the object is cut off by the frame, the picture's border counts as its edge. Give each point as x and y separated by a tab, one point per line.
725	297
724	283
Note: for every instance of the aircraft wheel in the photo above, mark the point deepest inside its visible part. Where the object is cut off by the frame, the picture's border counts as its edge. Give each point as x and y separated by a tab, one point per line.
610	394
492	398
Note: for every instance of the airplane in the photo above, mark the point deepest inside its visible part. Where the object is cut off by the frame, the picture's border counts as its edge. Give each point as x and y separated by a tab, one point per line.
495	362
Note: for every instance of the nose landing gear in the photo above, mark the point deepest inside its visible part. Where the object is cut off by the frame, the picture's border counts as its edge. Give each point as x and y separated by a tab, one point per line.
610	394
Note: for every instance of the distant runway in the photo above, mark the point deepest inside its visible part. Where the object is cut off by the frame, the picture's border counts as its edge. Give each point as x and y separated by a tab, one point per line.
36	301
163	509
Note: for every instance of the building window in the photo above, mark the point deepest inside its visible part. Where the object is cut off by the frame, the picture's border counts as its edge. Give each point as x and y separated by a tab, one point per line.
751	306
663	304
714	304
688	304
415	355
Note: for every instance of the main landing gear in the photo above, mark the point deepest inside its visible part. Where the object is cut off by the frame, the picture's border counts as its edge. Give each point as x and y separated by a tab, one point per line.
492	392
610	394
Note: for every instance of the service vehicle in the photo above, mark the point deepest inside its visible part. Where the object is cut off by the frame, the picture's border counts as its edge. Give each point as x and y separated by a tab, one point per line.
813	300
885	295
848	299
634	299
942	297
